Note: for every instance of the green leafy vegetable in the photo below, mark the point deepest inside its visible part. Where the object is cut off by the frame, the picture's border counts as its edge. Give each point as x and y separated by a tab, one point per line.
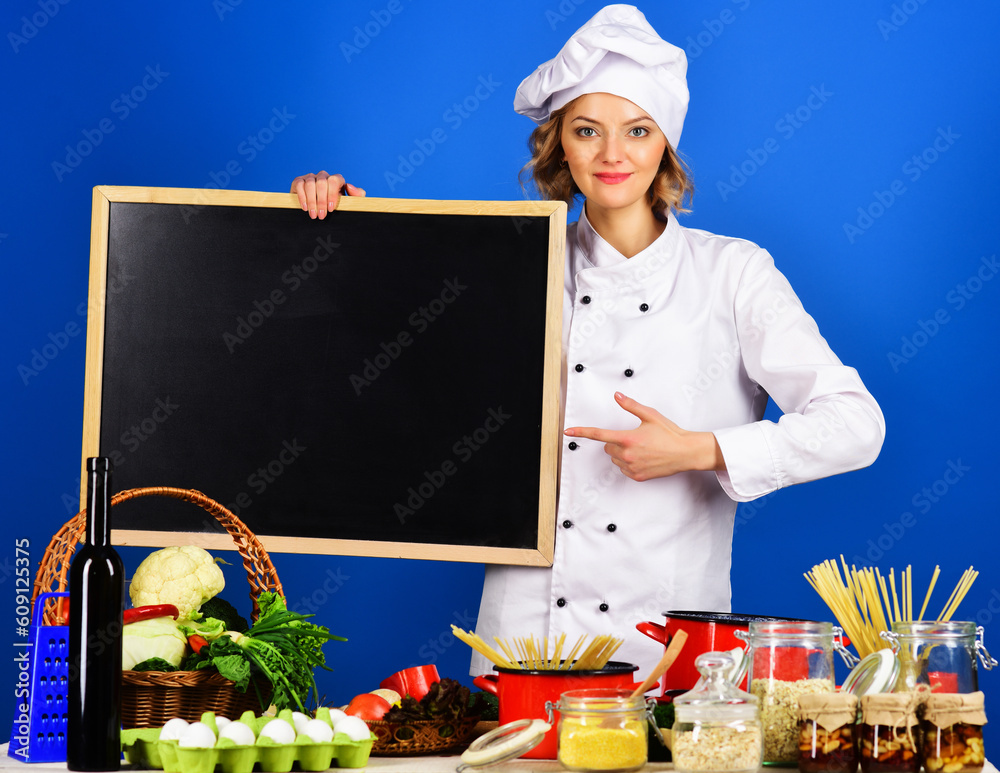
447	699
282	647
489	703
222	610
154	664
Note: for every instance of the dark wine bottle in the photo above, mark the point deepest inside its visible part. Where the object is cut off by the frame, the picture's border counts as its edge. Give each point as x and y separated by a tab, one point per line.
96	602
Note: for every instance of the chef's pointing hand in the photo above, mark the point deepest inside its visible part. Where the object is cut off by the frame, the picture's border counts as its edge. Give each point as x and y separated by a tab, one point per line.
657	447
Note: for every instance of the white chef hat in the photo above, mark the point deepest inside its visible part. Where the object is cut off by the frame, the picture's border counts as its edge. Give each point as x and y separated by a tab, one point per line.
617	52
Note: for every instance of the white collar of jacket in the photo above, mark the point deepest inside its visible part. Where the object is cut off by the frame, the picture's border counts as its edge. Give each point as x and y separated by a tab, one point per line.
596	253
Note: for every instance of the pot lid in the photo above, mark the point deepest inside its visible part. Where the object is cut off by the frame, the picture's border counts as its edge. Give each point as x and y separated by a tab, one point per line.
506	742
727	618
611	667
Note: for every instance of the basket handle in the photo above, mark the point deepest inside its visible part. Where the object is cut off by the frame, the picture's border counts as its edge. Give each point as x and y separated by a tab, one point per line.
54	566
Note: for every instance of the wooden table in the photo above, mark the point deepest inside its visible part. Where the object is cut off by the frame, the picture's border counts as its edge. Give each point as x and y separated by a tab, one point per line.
433	764
429	764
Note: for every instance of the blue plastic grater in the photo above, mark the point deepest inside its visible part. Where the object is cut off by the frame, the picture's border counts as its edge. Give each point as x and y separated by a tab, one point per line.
43	737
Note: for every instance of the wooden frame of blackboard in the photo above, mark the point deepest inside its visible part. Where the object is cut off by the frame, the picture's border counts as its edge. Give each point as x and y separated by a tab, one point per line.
198	202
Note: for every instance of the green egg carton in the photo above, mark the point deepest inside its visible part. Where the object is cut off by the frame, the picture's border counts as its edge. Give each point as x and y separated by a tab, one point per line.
145	751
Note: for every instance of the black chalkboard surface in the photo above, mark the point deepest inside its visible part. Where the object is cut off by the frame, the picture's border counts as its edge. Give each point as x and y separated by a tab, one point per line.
383	382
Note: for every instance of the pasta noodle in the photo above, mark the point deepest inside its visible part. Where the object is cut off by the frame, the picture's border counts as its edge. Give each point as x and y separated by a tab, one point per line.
531	654
859	599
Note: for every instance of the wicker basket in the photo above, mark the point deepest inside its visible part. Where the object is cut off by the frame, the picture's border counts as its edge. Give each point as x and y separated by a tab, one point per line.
150	698
427	736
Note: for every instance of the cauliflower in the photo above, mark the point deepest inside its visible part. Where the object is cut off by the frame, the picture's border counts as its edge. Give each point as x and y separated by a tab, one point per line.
184	576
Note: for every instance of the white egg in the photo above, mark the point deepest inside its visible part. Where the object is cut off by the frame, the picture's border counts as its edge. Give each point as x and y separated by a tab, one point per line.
353	727
318	731
279	731
239	733
173	729
336	715
299	720
197	735
221	722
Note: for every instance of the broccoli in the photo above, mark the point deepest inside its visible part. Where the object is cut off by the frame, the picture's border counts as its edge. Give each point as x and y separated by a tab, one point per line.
222	610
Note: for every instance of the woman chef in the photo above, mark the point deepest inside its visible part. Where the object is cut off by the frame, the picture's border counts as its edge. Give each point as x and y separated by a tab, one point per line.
673	340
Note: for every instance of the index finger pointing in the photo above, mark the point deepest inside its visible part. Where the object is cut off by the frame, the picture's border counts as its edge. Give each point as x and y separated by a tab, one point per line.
593	433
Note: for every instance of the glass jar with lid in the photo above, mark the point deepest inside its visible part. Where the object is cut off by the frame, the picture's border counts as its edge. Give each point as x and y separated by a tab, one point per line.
716	725
952	729
787	660
827	742
602	729
888	735
940	654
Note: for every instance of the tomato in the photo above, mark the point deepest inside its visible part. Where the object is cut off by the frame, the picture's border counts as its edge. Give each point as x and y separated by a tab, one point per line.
368	707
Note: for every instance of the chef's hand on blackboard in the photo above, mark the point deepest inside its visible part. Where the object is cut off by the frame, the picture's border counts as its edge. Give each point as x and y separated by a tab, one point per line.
320	193
656	448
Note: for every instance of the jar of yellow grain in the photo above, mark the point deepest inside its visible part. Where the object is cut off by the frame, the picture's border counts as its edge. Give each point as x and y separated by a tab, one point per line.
602	729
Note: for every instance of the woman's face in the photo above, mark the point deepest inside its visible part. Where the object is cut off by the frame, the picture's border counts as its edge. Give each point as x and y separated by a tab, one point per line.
613	150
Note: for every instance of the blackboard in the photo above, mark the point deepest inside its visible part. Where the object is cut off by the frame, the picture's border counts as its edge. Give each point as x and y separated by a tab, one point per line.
383	382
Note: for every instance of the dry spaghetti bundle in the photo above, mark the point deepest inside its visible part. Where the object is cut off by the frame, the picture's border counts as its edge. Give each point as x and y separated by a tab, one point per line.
535	654
865	604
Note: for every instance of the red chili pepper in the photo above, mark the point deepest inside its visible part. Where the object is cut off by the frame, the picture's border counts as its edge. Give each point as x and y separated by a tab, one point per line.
197	642
148	612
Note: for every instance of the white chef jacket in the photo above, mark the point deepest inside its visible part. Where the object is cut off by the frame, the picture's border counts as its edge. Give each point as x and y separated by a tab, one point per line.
702	328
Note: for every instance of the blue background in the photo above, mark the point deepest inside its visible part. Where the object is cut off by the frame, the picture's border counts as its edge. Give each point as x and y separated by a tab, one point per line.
811	113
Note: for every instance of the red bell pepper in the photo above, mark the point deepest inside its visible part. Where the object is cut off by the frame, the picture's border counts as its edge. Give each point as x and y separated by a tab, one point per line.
415	681
148	612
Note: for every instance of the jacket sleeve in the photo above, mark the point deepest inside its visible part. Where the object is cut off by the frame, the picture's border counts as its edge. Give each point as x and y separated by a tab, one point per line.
831	423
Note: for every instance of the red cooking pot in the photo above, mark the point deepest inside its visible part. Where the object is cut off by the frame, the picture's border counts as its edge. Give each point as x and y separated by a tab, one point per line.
707	632
522	693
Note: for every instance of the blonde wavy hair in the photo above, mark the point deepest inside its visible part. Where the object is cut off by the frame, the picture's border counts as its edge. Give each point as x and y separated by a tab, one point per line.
671	189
